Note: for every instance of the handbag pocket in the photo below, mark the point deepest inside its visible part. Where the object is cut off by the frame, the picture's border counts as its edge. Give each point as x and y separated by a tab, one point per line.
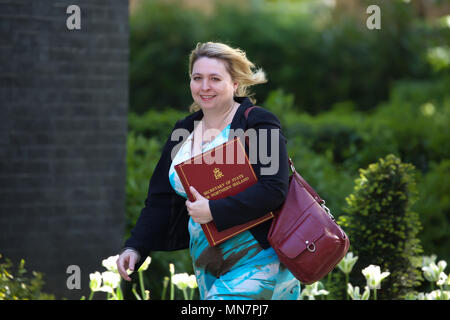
303	236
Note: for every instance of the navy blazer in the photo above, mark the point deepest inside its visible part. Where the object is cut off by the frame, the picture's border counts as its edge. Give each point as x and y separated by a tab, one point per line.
163	222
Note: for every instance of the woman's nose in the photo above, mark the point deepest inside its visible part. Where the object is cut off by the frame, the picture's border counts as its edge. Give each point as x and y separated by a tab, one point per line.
205	85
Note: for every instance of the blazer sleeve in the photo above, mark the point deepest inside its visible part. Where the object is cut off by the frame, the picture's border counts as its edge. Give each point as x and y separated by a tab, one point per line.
162	223
271	190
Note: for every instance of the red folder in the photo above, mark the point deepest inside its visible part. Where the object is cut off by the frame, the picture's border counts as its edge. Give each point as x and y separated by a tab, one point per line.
218	173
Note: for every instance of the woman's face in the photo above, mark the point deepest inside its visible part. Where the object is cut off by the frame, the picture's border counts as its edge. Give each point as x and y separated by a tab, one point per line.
211	84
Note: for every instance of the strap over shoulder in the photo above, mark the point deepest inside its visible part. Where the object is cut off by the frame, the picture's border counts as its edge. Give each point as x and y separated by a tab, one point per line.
291	165
248	111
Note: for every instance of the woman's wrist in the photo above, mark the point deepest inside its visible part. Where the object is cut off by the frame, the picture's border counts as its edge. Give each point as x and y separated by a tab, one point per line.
132	250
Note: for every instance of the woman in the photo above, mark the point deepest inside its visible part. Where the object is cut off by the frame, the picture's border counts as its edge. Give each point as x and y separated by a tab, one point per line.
245	266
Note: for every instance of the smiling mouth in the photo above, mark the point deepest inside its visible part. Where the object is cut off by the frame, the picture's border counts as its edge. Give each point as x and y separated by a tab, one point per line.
207	97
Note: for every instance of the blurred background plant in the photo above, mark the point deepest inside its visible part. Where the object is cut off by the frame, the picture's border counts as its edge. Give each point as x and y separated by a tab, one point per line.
18	285
346	266
110	282
311	291
321	51
382	228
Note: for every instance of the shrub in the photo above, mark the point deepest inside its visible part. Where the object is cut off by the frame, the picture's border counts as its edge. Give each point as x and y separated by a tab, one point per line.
412	124
434	209
155	123
381	226
21	286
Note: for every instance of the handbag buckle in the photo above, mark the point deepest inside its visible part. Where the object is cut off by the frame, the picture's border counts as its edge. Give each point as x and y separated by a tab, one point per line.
310	246
327	210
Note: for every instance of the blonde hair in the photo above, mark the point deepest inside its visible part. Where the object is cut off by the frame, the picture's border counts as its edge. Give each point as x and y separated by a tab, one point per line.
236	63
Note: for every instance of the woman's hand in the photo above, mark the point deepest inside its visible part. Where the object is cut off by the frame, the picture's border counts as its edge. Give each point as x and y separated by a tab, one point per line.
199	209
126	260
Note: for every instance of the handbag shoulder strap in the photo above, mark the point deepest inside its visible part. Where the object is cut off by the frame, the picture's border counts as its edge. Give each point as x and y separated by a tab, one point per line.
248	111
291	165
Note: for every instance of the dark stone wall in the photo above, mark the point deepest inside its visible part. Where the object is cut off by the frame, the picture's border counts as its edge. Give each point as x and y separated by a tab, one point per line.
63	128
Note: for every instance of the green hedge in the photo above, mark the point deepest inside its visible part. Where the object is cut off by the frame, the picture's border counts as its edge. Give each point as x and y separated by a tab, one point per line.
320	56
382	228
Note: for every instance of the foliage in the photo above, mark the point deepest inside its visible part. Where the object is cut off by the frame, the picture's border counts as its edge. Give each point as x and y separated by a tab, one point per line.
110	280
154	123
320	55
161	37
142	157
20	286
313	290
346	265
412	124
382	228
433	273
434	208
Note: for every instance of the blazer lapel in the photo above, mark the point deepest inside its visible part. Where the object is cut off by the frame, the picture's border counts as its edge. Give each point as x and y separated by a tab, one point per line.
239	121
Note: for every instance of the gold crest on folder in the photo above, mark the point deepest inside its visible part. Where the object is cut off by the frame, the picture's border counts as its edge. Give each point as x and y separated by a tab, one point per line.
217	173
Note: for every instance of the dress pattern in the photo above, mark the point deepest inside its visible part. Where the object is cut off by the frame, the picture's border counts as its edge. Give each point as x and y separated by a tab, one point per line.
237	269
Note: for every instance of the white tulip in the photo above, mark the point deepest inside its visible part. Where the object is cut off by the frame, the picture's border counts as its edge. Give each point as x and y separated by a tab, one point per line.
315	289
110	263
180	280
146	263
111	279
107	289
432	271
347	263
421	296
443	279
435	295
355	295
374	276
192	282
95	281
427	260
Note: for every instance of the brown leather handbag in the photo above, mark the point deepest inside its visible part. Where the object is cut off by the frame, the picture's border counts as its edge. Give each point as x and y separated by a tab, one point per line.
304	233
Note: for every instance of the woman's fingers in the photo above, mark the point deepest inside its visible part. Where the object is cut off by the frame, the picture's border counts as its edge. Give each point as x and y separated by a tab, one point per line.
123	262
121	267
132	262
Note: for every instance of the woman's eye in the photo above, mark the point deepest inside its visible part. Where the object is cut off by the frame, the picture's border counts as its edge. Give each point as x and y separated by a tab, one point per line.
216	79
196	78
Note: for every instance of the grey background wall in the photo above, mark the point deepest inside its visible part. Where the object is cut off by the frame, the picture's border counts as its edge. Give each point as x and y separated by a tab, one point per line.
63	123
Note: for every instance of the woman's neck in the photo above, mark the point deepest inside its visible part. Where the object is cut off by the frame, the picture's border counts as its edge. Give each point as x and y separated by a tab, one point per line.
218	119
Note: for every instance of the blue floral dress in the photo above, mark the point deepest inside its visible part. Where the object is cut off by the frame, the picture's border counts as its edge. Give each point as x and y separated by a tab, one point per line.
237	269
